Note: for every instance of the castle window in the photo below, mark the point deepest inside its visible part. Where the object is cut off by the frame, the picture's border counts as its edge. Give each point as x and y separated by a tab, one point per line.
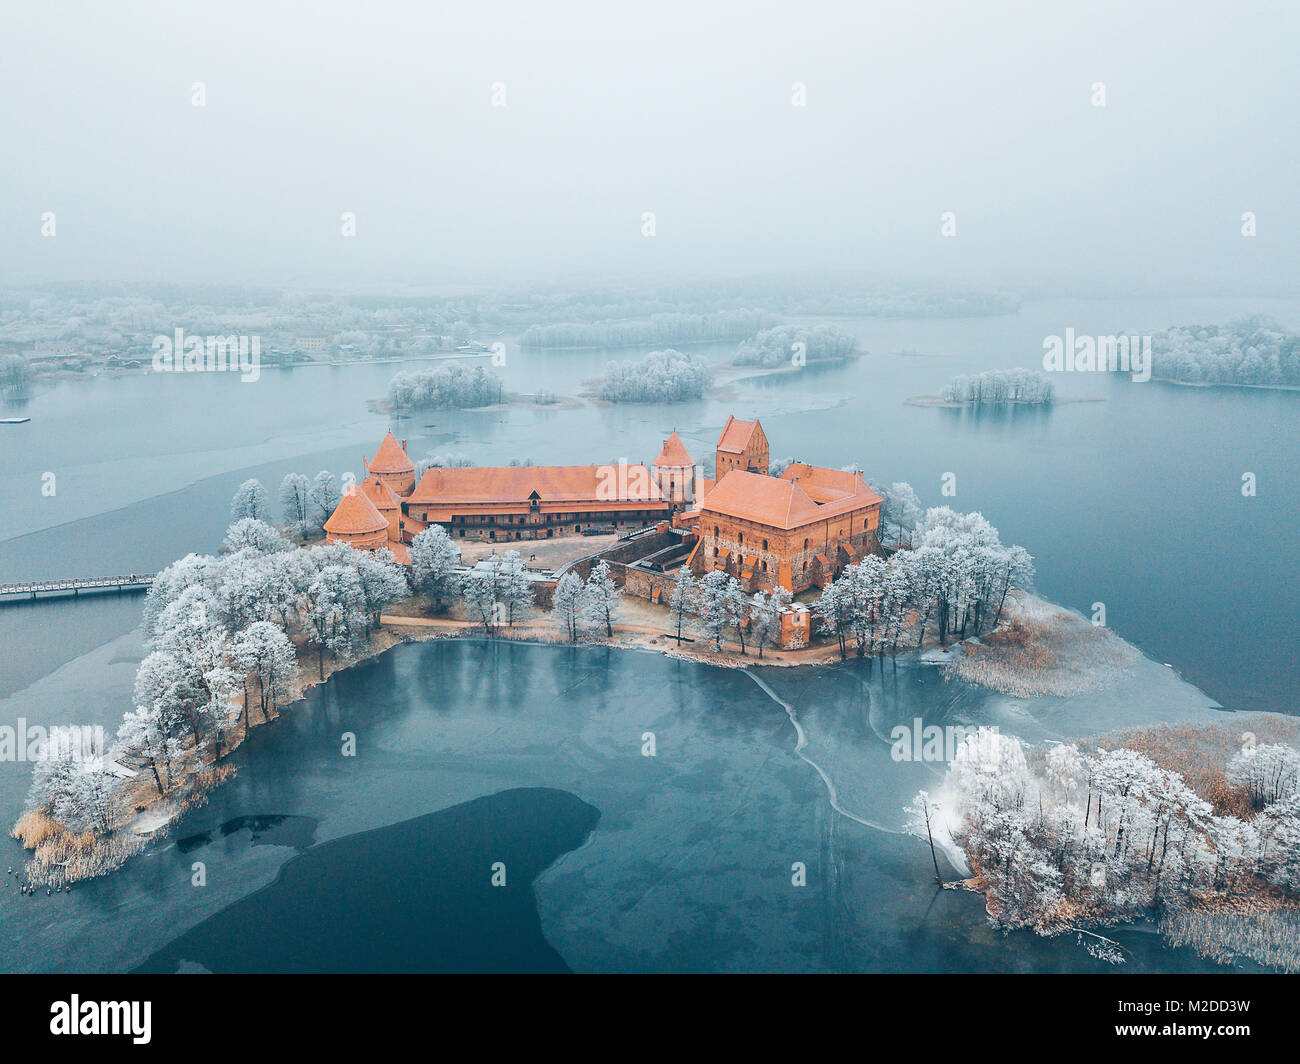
765	548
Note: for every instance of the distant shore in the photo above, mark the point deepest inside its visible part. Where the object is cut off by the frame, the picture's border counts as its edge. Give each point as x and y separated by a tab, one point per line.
938	400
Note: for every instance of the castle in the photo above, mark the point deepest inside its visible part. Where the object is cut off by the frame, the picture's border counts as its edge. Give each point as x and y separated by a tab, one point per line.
796	530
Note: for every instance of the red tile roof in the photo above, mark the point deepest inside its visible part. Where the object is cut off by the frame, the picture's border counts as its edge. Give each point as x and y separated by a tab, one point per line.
390	458
380	494
355	515
674	454
735	435
788	501
515	485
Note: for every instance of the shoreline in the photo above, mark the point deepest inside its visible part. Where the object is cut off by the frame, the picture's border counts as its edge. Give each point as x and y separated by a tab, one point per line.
939	401
60	857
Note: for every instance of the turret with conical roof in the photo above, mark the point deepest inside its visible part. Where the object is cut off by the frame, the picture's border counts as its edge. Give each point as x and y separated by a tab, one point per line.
357	522
392	466
674	471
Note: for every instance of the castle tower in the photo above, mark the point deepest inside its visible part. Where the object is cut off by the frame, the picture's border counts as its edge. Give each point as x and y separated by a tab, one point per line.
742	445
674	472
388	504
357	522
392	466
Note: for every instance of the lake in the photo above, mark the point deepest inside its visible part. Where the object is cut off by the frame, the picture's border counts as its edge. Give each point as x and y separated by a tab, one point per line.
1133	502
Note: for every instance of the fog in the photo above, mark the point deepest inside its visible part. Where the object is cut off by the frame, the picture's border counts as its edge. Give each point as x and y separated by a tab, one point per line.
686	110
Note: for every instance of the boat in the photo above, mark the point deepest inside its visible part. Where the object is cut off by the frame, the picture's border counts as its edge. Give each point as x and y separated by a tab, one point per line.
13	420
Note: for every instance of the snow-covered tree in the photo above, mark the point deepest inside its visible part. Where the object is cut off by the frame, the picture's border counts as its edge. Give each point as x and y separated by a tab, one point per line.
717	602
482	593
600	598
434	558
681	602
144	733
264	652
517	593
248	533
250	501
1269	772
335	614
764	622
295	504
323	498
566	605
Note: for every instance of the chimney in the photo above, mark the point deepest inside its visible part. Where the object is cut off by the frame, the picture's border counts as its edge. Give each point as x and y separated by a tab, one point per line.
403	447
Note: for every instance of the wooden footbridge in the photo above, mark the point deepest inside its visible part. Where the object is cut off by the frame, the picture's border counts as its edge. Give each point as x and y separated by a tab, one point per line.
50	588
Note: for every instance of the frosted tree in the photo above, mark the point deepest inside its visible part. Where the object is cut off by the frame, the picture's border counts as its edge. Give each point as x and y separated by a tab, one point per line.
482	593
91	801
920	818
1280	842
566	605
192	638
249	533
764	622
661	377
263	651
716	604
192	570
245	588
834	610
448	460
516	589
250	501
382	582
335	613
434	558
681	601
600	598
323	498
1269	772
295	504
900	508
144	733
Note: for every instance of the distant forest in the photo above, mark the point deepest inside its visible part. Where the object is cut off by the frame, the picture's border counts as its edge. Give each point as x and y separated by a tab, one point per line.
772	347
661	377
1000	386
1256	351
455	385
659	329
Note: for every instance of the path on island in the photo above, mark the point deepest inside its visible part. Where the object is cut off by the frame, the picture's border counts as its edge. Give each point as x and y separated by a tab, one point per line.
649	636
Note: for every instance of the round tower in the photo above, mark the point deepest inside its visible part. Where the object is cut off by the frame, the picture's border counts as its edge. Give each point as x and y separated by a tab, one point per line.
392	466
357	522
674	472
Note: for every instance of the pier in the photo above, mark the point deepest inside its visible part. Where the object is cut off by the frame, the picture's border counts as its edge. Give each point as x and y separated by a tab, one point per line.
51	588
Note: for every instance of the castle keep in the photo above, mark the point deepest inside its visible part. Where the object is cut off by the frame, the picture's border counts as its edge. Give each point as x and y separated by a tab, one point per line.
796	530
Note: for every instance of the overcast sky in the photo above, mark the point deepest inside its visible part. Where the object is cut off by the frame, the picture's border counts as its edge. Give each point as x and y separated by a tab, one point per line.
614	109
